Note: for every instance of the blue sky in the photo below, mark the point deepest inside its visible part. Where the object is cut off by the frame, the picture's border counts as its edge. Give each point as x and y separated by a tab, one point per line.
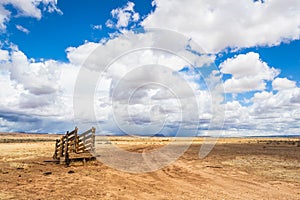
254	45
53	33
284	56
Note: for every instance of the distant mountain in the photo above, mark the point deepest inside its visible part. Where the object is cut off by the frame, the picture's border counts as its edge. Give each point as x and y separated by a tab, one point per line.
26	132
159	135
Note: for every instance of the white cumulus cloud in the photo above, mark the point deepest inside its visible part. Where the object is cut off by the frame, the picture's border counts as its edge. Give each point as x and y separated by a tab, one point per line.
219	24
26	8
283	84
248	72
4	55
38	95
123	16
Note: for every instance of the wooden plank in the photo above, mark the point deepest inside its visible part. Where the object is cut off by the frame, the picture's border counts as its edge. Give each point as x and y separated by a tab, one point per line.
80	145
81	148
84	140
75	142
89	141
72	132
85	133
58	152
71	137
56	149
71	142
93	138
86	137
88	146
66	153
66	149
62	146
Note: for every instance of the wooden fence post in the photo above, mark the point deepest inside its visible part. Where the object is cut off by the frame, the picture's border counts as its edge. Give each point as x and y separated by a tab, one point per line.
66	154
75	140
93	139
55	156
61	146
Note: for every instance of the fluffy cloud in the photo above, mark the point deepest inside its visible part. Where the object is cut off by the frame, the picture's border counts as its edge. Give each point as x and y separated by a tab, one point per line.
38	95
153	47
4	17
236	115
243	85
48	99
261	96
28	8
279	111
123	16
4	55
216	25
248	65
44	89
248	73
77	55
35	95
283	84
268	114
36	77
138	71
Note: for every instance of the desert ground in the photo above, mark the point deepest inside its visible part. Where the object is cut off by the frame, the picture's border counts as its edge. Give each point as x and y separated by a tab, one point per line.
236	168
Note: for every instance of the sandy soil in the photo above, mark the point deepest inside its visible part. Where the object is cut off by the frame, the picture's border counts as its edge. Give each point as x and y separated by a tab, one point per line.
256	168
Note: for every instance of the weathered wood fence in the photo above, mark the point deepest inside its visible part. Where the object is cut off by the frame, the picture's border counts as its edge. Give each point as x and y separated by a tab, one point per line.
74	146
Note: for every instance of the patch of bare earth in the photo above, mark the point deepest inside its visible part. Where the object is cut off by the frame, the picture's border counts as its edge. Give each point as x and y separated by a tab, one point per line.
235	169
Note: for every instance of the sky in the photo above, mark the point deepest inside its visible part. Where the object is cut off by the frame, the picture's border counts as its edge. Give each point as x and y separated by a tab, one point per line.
217	68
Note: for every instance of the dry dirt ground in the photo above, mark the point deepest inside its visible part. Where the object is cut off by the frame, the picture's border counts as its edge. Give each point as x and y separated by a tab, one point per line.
256	168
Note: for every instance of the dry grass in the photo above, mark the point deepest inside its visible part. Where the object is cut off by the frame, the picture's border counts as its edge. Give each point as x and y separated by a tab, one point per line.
251	168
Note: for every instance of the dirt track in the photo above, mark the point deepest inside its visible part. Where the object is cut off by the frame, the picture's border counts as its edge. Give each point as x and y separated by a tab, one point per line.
235	169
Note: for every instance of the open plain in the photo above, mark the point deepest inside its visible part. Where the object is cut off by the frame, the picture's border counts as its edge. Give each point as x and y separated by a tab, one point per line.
236	168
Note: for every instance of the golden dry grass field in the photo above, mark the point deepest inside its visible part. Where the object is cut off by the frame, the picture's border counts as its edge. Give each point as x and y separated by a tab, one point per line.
237	168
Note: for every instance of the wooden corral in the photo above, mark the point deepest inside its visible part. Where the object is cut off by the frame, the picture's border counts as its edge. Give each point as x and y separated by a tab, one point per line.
73	146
